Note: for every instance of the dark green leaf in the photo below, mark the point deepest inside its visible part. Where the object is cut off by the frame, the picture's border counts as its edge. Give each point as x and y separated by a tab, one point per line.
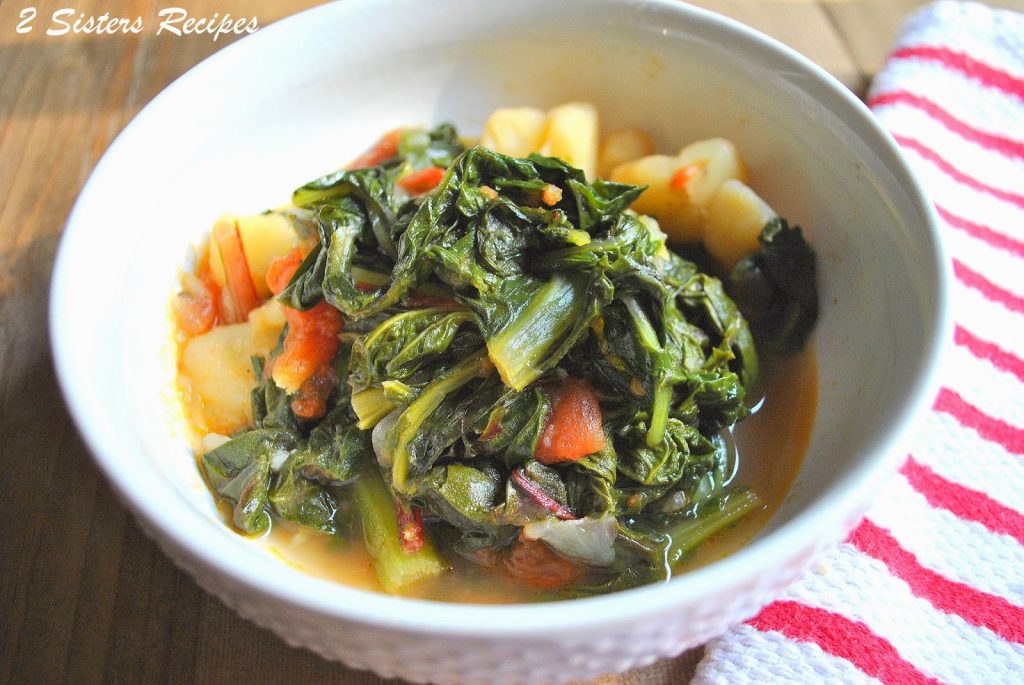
239	471
776	287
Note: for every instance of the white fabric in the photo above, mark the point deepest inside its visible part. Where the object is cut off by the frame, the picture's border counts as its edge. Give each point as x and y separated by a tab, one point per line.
930	588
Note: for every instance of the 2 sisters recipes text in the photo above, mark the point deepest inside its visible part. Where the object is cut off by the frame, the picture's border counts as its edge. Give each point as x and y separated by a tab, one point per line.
504	371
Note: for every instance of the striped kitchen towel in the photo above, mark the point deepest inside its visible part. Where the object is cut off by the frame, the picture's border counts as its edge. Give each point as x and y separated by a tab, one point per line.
929	588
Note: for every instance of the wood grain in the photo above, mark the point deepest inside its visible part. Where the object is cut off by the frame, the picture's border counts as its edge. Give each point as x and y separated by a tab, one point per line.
85	597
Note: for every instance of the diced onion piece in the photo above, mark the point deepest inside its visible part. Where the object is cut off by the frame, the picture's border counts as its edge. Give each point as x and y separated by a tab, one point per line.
713	161
514	131
735	218
677	216
622	146
588	540
277	459
570	134
212	441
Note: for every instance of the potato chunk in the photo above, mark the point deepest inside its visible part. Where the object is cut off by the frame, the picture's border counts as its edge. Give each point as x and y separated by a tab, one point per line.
734	219
570	134
218	366
264	237
514	131
622	146
712	162
679	218
681	187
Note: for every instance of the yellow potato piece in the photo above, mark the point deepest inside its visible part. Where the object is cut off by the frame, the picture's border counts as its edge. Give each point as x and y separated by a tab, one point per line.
678	217
514	131
264	238
681	187
218	366
267	322
619	147
570	134
713	161
734	219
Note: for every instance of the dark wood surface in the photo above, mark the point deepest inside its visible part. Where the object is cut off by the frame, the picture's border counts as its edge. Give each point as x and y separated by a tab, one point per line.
85	597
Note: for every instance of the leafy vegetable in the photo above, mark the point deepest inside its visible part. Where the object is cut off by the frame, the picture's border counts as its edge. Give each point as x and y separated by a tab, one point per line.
526	377
777	287
239	471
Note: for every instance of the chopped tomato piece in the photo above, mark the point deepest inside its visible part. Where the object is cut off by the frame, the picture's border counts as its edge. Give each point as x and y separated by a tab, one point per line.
422	181
534	563
196	314
382	151
236	268
282	269
312	339
366	287
212	288
551	195
195	307
410	527
573	429
310	402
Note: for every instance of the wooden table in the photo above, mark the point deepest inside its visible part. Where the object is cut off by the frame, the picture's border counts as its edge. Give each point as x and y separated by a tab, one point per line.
84	596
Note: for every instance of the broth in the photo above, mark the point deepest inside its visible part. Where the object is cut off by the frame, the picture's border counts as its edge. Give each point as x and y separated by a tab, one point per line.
771	444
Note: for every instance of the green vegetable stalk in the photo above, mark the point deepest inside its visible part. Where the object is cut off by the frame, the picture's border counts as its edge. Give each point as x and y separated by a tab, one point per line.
689	534
396	569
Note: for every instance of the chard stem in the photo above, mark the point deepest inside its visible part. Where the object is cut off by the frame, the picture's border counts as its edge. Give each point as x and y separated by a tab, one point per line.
644	329
397	569
689	534
659	415
424	405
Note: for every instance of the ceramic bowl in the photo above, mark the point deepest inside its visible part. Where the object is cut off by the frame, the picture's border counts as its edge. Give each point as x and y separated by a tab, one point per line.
300	97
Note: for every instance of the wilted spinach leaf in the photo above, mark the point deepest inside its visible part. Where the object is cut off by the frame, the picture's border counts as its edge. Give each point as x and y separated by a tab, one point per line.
776	287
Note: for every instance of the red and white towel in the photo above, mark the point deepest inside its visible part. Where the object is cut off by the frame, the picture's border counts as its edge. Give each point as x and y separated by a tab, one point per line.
929	588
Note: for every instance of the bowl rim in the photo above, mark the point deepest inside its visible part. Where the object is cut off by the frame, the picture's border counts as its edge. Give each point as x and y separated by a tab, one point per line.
838	511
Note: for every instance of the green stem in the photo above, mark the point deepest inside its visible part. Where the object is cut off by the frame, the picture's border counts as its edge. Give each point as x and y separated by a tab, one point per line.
396	569
371	405
663	391
424	405
644	329
689	534
659	414
520	348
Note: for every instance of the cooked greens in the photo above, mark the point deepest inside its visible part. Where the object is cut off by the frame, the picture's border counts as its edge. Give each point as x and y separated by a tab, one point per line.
523	362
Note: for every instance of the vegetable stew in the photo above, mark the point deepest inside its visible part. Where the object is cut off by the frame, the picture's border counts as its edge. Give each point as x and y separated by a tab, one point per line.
481	372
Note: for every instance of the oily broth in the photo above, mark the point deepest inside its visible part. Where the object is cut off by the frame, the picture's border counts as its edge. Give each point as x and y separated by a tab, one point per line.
770	444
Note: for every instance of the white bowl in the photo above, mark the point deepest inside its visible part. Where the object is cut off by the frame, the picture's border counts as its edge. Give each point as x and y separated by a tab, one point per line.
298	98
